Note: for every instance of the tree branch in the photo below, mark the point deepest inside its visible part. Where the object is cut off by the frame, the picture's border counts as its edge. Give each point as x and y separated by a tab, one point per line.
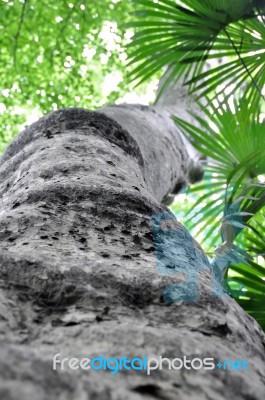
16	38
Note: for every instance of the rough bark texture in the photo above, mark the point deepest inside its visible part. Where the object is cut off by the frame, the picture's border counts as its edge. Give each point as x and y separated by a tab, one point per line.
80	271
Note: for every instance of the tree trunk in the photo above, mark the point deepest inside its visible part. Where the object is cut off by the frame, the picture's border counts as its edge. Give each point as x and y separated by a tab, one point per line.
93	264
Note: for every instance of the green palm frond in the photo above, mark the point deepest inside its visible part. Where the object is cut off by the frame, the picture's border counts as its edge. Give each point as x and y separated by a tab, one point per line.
254	240
232	198
246	283
186	36
252	294
233	141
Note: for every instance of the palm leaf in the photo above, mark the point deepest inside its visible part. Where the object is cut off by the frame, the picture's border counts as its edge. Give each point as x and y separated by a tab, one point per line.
192	32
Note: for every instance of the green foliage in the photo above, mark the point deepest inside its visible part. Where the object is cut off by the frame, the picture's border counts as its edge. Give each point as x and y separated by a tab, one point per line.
59	54
233	140
227	208
246	281
230	206
233	203
186	34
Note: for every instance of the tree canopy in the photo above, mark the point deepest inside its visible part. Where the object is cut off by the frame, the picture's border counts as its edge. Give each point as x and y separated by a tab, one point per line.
60	54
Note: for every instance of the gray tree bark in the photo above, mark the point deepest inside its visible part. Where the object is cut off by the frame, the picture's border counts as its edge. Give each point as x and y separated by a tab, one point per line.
88	268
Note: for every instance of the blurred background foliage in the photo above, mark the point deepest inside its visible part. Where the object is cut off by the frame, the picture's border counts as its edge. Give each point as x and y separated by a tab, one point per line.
56	54
88	54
